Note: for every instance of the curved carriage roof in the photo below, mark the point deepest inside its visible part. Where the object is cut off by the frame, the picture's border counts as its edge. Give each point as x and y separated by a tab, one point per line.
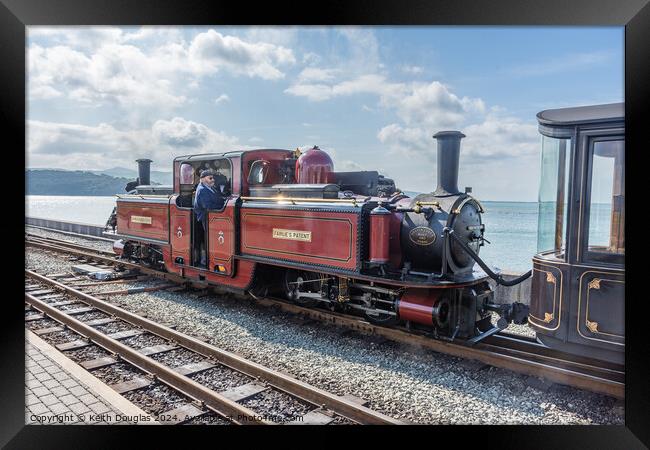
204	156
582	114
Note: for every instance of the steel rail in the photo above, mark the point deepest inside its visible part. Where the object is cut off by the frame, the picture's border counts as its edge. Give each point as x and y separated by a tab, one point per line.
109	260
523	344
91	237
339	404
65	243
552	366
216	402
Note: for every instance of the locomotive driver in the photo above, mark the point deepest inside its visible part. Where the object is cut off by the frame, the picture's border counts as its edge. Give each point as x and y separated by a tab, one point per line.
207	198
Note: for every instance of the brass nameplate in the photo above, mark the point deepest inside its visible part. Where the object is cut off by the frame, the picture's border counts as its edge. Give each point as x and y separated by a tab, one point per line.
292	235
141	219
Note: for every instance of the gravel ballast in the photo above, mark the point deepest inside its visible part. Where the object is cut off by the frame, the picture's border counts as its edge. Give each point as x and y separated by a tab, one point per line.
276	406
117	373
221	378
412	384
86	353
156	399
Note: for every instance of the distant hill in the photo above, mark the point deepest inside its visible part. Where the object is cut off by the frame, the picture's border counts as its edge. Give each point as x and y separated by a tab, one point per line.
67	182
132	174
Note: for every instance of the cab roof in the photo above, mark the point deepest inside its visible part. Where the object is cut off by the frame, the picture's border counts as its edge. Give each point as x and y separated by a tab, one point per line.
208	156
582	114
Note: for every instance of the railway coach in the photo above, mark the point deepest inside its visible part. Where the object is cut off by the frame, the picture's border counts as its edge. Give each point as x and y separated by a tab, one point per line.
578	283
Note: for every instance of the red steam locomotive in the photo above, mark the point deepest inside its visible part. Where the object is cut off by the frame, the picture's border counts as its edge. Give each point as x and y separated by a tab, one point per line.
350	241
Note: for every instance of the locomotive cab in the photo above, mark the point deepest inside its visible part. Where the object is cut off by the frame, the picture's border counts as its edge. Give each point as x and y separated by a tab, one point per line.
578	282
189	179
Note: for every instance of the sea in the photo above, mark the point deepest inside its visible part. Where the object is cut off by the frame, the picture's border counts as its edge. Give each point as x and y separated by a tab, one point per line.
511	227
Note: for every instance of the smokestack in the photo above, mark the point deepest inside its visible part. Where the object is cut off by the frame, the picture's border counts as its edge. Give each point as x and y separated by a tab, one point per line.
448	157
144	171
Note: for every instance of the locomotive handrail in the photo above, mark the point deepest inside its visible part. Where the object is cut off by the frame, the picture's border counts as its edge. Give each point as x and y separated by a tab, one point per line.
469	198
143	196
427	203
293	200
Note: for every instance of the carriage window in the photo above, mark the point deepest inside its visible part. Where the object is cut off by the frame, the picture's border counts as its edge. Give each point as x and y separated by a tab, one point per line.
553	187
607	203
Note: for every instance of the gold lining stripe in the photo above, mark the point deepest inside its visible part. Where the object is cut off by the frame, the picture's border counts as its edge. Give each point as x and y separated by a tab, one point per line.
293	200
349	222
213	218
559	318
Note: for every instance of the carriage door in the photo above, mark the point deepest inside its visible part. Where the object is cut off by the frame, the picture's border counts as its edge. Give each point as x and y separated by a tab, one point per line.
600	272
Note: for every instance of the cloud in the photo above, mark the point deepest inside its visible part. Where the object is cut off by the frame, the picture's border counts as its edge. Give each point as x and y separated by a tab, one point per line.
337	75
412	70
83	38
500	137
363	84
146	67
346	165
180	133
313	92
310	74
341	163
405	140
223	98
416	103
103	145
435	106
495	137
281	36
362	49
211	51
118	74
311	58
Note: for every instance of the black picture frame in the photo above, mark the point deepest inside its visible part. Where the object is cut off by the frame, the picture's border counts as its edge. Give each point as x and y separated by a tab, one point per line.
15	15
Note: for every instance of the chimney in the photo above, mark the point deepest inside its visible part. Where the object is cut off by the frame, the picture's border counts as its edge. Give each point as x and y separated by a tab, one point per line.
448	157
144	170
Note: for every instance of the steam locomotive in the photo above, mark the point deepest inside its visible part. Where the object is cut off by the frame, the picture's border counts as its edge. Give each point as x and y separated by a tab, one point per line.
350	241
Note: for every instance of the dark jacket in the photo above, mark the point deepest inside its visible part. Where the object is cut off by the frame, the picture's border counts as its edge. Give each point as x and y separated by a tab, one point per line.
206	199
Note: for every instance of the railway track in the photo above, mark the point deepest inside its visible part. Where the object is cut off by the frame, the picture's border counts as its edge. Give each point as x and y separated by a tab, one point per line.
512	352
50	299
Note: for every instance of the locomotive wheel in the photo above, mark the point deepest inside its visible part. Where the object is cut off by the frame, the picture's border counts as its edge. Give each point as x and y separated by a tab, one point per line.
296	282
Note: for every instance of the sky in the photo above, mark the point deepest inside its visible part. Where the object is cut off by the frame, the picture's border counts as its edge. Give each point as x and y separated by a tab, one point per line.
372	97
